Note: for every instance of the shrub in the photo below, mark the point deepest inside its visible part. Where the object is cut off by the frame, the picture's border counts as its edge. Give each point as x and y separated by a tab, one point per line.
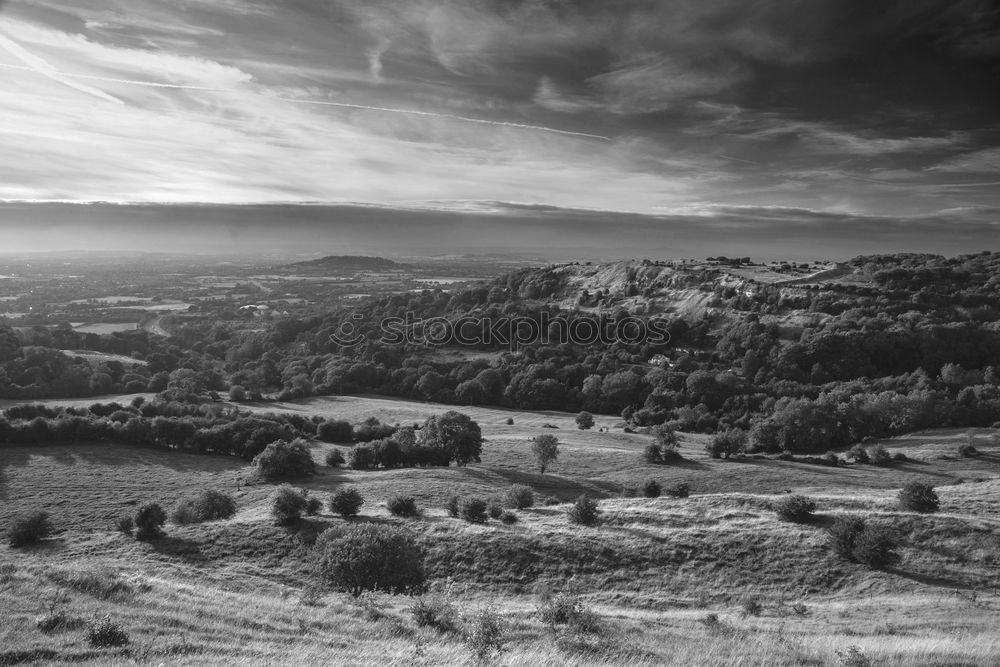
288	505
726	443
473	510
546	450
831	459
508	518
487	635
149	521
335	458
495	509
282	459
853	657
665	436
899	457
651	489
858	454
797	509
313	505
968	450
659	454
510	421
436	611
346	502
208	505
567	609
875	546
363	457
584	421
237	393
335	430
403	506
30	529
752	606
919	497
682	490
520	497
453	506
126	525
853	539
880	456
106	633
370	557
584	511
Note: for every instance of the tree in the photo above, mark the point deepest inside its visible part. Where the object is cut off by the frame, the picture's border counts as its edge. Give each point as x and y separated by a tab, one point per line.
370	557
149	521
584	421
287	505
727	443
346	502
285	459
335	430
546	450
584	511
454	433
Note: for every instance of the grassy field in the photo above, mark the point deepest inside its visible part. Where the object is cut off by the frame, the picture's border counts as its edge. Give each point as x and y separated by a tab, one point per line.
238	591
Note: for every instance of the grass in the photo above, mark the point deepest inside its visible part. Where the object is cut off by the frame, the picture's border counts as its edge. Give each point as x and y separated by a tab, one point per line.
239	590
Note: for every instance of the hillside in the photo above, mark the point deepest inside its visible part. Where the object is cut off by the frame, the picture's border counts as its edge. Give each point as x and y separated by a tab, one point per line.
653	569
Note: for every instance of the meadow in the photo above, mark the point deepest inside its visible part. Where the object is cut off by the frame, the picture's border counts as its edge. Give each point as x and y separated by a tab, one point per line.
654	570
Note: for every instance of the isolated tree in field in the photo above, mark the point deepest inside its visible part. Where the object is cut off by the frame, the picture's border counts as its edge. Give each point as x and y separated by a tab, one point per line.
545	447
584	421
288	505
454	433
370	557
346	502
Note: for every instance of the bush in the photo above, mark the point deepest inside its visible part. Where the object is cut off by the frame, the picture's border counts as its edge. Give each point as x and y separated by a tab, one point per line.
682	490
149	521
508	518
346	502
126	525
282	459
797	509
473	510
335	430
584	511
659	454
313	505
919	497
30	529
520	497
208	505
853	539
453	506
288	505
436	611
968	450
363	457
510	421
335	458
858	454
880	456
487	635
370	557
403	506
752	607
831	459
726	443
584	421
494	508
875	546
106	633
568	610
651	489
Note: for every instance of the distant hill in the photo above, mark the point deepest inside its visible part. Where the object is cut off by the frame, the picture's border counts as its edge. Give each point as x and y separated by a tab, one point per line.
346	263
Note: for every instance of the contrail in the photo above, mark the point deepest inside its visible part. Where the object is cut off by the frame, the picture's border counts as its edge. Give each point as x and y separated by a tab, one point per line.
35	64
39	65
434	114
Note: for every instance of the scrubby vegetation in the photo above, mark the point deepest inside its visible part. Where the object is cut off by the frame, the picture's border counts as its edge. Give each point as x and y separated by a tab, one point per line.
370	557
919	497
584	511
149	520
209	505
795	508
29	530
288	505
346	502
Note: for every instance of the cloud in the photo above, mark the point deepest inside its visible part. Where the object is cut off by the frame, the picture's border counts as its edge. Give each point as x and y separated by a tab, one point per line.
39	65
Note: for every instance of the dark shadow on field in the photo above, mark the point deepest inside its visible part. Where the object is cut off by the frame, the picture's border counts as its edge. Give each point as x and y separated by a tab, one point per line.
114	454
560	487
179	547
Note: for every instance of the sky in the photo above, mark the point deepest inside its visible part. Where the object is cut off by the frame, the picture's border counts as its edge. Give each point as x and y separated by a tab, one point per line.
661	125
